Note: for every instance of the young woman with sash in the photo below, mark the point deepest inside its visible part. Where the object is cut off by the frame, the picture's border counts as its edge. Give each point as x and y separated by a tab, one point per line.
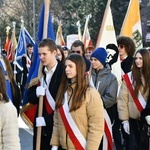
133	96
79	115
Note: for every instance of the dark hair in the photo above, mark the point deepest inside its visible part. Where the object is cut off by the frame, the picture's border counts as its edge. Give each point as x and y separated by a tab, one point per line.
78	43
144	71
3	93
62	53
29	45
49	43
65	48
128	43
81	83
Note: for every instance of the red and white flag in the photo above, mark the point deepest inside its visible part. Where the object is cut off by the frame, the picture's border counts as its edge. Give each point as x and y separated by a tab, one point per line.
59	36
86	39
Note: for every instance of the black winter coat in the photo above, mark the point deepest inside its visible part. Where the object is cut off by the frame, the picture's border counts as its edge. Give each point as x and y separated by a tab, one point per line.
53	88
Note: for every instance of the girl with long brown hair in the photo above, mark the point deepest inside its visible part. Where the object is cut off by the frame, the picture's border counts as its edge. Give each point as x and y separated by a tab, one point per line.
82	103
133	97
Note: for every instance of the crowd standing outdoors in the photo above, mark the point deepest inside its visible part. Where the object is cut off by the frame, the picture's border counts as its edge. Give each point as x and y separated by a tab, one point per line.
73	107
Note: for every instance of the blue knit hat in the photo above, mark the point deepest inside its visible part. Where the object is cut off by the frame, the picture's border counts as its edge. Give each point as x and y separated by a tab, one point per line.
100	54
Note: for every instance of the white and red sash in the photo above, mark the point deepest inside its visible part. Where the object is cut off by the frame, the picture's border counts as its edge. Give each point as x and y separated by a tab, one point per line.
73	131
49	101
107	138
139	102
28	60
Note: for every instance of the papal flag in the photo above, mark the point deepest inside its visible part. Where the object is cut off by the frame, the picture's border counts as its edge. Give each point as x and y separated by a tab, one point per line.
107	38
132	23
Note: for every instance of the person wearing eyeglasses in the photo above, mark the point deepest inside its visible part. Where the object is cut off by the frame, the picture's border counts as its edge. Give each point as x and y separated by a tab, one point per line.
126	49
78	48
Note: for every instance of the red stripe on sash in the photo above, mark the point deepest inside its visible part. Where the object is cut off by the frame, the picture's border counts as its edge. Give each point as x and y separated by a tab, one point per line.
73	138
47	106
135	99
109	137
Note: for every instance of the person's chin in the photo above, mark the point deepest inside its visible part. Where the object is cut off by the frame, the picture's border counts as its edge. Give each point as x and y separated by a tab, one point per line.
44	64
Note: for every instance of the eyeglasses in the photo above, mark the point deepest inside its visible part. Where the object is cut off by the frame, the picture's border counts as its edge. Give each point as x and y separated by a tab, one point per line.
78	52
121	46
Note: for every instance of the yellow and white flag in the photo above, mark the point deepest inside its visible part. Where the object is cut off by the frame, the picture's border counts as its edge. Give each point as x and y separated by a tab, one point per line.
107	36
132	24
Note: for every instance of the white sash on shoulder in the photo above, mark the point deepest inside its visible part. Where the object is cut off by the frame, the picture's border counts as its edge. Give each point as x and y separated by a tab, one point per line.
139	102
49	101
73	131
107	138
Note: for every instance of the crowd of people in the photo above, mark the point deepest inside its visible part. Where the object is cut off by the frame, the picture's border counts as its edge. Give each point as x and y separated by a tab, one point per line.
79	90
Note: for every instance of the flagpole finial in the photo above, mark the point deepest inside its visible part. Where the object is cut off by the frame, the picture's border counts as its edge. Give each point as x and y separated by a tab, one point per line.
14	24
7	30
78	24
90	15
22	21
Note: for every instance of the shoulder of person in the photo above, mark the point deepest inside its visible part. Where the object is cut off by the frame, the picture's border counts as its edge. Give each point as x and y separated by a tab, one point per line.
8	107
92	92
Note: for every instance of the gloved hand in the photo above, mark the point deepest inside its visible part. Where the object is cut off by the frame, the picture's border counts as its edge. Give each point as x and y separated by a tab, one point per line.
126	126
15	72
40	91
54	148
15	62
147	118
28	66
40	122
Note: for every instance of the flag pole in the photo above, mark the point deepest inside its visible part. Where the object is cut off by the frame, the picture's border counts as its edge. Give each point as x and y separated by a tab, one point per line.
79	30
102	25
40	109
14	27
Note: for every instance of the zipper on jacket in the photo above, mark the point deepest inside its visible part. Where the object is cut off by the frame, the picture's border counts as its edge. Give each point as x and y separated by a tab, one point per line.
96	79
